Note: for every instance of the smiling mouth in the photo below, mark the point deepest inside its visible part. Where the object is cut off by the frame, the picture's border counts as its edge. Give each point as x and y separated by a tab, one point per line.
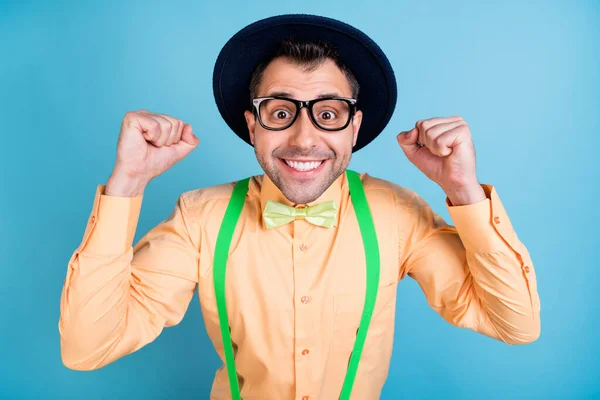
304	166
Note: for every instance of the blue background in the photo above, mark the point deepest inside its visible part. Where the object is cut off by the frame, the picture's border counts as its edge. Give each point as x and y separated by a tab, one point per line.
524	76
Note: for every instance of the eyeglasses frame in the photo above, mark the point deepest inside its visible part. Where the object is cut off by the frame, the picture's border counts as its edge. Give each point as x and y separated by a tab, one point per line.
352	103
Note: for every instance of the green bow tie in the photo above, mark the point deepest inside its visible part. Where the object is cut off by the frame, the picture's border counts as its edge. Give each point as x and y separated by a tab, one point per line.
276	214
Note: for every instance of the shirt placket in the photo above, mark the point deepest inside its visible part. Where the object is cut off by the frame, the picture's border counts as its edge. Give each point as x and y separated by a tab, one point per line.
304	304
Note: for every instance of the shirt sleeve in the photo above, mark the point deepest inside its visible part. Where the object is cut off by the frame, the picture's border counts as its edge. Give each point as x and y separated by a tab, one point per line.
476	274
117	298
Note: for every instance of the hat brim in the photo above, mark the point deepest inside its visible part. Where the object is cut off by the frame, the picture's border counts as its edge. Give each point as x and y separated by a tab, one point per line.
246	49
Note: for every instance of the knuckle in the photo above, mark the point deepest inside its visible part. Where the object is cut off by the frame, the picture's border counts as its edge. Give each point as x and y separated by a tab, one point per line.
160	140
461	127
155	125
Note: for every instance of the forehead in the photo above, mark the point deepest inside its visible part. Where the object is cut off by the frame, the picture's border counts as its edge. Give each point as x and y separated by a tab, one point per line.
282	75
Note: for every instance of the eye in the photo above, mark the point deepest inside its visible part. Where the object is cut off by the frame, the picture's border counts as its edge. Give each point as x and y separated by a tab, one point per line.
327	115
281	114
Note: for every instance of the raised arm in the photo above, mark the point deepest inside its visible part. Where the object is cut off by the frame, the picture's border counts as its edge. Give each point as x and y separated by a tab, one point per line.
117	298
476	274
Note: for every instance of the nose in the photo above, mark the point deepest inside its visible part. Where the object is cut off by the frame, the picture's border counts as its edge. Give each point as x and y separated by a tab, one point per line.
304	134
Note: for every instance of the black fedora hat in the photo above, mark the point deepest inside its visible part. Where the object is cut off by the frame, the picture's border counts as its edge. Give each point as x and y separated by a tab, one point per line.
256	42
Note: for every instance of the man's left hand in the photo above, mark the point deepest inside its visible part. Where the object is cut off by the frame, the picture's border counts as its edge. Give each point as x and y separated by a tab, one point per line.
442	148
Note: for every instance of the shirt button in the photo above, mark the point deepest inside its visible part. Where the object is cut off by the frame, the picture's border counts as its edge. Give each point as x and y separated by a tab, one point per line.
303	246
526	269
305	352
93	219
304	299
497	220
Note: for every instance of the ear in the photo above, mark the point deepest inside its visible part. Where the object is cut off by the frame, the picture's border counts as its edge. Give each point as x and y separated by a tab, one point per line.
251	122
356	121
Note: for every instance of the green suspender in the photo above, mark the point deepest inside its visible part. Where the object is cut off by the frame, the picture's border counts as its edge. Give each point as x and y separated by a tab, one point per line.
232	215
369	237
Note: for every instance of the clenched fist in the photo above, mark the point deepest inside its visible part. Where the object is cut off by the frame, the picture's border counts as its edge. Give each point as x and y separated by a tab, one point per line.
149	144
442	148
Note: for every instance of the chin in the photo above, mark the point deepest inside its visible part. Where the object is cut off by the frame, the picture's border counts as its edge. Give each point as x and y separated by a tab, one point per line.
298	186
301	192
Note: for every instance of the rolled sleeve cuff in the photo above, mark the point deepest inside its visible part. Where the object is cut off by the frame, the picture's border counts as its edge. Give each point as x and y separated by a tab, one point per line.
483	227
112	223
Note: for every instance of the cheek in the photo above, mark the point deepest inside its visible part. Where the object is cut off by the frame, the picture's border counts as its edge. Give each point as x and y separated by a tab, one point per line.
341	144
264	143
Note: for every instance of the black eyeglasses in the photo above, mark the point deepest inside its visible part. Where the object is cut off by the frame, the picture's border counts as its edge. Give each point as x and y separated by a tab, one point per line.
329	114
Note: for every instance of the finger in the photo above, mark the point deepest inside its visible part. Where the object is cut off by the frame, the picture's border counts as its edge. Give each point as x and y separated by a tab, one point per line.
177	126
428	123
179	130
165	130
159	140
444	143
149	126
425	126
175	129
434	131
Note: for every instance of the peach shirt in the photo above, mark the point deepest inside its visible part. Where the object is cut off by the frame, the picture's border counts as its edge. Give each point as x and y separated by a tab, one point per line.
294	293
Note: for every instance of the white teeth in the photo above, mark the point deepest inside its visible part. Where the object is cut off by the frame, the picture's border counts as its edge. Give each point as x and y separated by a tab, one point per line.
303	166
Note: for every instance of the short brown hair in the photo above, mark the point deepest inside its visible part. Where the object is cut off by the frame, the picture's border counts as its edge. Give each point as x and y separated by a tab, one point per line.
309	54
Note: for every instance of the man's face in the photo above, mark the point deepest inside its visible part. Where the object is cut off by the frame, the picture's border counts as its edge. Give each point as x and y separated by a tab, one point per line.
303	142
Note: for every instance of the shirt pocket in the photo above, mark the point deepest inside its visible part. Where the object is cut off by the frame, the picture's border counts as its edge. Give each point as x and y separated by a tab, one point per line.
348	309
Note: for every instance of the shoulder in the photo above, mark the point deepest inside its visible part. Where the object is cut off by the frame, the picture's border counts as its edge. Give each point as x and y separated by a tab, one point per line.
402	196
212	199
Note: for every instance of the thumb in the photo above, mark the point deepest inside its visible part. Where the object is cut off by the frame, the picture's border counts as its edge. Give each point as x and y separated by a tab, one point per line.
408	142
188	141
187	136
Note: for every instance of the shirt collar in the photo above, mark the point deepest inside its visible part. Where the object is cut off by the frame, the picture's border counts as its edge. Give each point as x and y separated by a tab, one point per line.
269	191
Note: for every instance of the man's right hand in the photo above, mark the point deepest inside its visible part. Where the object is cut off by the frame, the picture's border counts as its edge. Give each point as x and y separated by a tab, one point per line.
149	144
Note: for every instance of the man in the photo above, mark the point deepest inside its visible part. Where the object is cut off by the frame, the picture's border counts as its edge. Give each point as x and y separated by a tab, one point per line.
313	252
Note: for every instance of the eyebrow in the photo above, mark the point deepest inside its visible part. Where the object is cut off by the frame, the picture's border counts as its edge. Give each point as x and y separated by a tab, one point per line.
287	94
